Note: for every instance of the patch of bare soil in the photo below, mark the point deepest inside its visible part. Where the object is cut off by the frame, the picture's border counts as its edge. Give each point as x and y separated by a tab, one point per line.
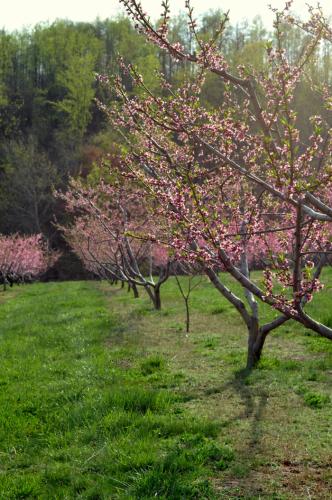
287	480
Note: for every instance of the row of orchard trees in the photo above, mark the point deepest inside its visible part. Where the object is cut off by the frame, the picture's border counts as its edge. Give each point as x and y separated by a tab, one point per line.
109	235
221	188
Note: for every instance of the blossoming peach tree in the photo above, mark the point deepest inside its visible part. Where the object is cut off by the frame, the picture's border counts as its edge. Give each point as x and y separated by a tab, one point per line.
239	183
23	258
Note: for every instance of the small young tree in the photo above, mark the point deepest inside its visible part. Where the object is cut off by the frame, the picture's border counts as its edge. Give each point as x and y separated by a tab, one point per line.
193	279
237	177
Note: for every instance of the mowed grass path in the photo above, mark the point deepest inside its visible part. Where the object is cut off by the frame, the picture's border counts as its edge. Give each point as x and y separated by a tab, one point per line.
102	397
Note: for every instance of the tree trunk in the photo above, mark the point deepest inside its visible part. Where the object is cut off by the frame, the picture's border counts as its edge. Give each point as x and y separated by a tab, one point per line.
135	291
186	301
255	344
154	294
157	299
150	293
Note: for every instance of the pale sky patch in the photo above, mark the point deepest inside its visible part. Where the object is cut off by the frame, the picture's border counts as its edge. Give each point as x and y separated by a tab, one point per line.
18	13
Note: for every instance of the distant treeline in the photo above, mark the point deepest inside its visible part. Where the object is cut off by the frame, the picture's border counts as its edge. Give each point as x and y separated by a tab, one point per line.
50	125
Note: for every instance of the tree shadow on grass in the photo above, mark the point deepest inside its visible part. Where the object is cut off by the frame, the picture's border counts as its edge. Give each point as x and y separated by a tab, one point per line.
241	477
255	405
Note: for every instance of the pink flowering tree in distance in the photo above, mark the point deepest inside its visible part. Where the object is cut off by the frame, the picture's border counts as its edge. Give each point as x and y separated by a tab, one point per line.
237	183
105	220
23	258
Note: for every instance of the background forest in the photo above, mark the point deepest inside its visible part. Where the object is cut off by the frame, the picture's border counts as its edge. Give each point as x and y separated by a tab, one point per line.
51	128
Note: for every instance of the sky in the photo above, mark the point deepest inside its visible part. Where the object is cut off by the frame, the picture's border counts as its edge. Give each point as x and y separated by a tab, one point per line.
19	13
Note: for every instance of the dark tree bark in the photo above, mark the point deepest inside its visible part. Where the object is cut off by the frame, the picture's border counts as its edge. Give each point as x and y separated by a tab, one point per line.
255	344
157	298
186	301
135	290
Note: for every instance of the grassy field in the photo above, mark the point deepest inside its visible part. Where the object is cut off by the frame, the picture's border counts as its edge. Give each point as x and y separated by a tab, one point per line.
101	397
